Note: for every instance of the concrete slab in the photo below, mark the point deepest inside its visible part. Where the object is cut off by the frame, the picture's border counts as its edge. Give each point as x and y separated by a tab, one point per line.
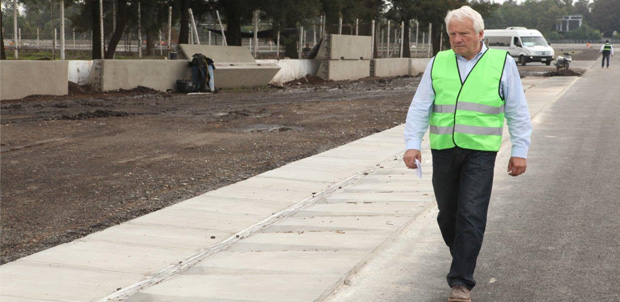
198	219
160	236
309	241
37	281
272	195
354	208
290	288
277	262
337	223
230	205
110	257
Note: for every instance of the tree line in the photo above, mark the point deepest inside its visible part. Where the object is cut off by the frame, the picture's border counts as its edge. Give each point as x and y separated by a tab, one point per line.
600	16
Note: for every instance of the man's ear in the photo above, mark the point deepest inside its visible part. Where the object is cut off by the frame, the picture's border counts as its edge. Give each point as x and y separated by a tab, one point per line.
481	35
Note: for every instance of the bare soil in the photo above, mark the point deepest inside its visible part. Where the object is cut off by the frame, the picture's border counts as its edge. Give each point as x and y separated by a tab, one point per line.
72	165
76	164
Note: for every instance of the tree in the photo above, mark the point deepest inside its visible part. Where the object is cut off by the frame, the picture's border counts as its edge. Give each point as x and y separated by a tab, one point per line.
605	12
434	12
122	9
405	11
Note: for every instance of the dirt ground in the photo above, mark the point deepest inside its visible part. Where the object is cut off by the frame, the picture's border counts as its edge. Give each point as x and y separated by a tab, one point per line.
76	164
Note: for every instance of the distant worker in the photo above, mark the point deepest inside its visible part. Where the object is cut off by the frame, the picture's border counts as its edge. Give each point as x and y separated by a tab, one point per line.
305	52
588	45
606	50
464	95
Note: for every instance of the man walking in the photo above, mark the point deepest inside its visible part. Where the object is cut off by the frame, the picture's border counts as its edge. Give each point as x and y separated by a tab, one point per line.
465	94
606	50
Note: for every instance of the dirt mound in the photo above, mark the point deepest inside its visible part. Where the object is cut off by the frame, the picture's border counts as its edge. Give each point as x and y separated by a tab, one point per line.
564	73
309	79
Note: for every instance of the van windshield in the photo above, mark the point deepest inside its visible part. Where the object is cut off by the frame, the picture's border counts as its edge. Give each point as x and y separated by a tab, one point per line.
534	41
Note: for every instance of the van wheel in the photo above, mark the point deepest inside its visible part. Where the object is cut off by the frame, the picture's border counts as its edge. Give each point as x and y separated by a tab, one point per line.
548	63
522	60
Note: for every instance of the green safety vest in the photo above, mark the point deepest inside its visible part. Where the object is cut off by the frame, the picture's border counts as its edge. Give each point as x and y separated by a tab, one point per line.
469	115
607	47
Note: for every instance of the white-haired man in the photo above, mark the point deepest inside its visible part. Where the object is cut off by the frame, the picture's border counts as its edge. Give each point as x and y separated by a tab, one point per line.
465	94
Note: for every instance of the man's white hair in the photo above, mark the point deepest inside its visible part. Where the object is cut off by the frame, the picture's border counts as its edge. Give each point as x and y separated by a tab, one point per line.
466	12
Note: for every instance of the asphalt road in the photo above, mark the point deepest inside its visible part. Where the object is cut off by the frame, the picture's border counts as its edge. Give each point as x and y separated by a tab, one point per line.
552	234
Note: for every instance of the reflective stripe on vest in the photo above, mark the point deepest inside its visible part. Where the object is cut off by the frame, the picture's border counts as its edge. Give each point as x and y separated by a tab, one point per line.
468	115
607	47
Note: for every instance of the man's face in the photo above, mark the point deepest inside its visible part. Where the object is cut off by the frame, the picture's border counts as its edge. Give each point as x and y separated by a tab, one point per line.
463	38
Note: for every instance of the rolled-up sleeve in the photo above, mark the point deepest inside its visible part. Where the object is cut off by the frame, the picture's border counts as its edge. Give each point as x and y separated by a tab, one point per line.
420	111
517	111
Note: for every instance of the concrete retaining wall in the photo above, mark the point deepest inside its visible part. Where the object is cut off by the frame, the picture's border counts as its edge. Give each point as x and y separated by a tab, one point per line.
163	74
19	79
156	74
417	66
339	70
219	54
390	67
343	47
291	69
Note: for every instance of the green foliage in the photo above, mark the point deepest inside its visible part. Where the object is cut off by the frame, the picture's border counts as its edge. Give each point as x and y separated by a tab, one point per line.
605	13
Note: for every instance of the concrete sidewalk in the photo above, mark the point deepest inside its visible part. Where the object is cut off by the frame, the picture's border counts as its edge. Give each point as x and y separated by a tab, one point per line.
291	234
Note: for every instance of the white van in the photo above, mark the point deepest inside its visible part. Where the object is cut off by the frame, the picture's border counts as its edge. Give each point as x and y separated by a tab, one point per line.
525	45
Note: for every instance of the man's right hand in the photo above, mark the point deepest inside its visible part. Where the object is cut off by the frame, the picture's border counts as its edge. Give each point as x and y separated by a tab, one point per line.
410	156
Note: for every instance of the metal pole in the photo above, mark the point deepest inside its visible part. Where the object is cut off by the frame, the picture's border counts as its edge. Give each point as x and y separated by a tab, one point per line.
301	32
15	39
372	40
170	28
161	49
340	26
321	27
402	37
38	37
54	43
191	15
62	29
441	39
256	12
101	26
278	45
430	38
74	38
324	26
416	34
357	24
139	30
314	33
221	28
388	39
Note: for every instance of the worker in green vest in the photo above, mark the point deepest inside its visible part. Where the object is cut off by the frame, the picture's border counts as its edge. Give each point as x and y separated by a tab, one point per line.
606	50
464	96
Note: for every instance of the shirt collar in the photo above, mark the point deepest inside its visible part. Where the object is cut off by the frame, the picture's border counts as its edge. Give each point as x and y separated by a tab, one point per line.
477	56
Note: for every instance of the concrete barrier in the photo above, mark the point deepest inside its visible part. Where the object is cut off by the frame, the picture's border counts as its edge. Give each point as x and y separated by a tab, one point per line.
129	74
219	54
390	67
343	47
340	70
417	66
19	79
291	69
163	74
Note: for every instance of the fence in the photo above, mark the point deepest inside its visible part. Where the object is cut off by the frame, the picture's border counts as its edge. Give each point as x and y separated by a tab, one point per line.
35	31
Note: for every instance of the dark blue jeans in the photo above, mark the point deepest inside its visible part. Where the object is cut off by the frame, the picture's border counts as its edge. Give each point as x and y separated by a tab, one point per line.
462	180
605	57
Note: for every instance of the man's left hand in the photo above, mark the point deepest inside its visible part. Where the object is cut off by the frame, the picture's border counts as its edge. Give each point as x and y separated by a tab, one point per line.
516	166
